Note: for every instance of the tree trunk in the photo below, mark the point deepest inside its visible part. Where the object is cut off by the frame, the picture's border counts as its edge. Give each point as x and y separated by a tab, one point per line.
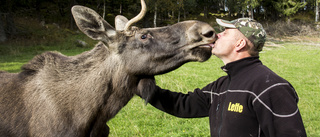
155	15
11	27
104	9
3	36
205	12
121	9
179	16
72	2
243	13
251	10
172	14
317	11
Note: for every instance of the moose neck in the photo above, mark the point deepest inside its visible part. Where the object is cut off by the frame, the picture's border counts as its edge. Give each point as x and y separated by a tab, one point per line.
89	88
111	87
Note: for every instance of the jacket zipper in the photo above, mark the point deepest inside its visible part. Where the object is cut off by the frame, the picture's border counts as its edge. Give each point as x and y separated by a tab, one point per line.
223	104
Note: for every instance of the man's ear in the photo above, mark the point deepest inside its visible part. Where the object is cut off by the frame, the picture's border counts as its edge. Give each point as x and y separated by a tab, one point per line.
241	45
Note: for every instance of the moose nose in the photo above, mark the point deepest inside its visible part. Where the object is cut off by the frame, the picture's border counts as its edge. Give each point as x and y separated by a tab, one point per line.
208	34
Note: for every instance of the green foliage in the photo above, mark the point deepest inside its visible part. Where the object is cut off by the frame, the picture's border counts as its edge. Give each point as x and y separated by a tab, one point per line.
288	7
58	12
242	6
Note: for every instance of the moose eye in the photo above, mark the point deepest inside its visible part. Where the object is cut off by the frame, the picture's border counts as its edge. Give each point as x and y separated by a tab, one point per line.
144	36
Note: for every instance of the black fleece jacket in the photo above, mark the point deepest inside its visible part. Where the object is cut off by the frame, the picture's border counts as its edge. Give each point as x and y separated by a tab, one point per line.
250	101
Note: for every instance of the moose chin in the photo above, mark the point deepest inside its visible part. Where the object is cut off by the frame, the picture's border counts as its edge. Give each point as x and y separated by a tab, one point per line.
74	96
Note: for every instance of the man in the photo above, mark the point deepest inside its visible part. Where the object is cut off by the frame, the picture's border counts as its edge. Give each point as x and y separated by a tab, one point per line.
250	101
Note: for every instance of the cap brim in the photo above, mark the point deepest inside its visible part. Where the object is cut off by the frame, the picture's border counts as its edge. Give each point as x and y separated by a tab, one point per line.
225	23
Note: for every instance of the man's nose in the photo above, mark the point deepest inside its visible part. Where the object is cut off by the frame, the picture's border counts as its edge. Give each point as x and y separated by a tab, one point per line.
218	35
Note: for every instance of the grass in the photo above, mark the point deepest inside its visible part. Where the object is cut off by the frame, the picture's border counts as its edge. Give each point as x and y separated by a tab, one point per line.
14	54
299	64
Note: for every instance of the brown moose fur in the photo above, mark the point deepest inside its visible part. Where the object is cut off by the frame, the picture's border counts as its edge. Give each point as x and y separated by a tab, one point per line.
74	96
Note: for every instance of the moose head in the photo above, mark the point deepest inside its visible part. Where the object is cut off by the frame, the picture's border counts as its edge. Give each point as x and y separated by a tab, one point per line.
148	51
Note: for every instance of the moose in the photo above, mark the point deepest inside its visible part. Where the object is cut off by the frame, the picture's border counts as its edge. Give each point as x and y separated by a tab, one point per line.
74	96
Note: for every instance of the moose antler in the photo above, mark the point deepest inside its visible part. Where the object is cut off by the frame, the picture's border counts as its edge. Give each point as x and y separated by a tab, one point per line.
138	17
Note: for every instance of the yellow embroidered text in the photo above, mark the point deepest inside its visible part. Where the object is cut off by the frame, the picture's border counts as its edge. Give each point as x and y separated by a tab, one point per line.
236	107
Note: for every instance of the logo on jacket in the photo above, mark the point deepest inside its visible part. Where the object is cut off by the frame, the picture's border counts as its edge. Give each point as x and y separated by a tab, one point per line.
235	107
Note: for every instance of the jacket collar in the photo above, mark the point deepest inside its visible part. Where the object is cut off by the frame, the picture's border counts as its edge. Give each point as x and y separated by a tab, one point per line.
239	66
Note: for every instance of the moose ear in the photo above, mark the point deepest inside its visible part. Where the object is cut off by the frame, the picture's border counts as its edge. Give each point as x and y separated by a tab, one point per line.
120	22
92	24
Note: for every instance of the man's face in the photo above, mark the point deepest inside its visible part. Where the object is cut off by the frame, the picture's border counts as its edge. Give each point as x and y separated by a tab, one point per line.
225	43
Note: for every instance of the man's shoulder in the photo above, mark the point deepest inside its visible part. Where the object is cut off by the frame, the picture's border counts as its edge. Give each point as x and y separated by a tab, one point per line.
265	78
262	72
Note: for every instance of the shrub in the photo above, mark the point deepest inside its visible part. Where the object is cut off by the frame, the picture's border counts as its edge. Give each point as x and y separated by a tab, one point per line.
290	28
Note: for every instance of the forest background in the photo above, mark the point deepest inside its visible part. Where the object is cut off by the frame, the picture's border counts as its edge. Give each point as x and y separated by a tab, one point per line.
15	15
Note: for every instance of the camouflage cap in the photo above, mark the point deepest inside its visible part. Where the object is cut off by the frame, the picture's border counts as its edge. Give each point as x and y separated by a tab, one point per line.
250	28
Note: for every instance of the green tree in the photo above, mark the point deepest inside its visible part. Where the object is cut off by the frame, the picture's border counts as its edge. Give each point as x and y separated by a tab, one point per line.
189	7
204	6
249	6
244	7
288	7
